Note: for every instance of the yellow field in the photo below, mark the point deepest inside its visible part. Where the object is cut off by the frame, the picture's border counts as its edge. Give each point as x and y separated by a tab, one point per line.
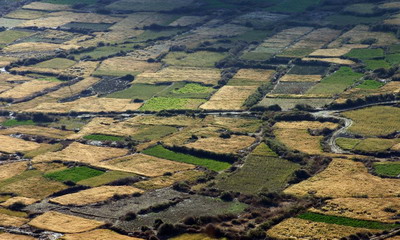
180	120
174	74
13	145
295	228
220	145
346	178
306	125
24	200
145	165
300	78
99	234
36	47
89	104
26	14
63	223
330	60
77	152
9	236
254	75
167	181
229	98
11	221
94	195
46	6
371	209
27	89
126	65
37	131
12	169
234	124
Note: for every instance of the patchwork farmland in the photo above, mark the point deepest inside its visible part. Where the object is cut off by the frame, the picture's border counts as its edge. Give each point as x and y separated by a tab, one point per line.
199	119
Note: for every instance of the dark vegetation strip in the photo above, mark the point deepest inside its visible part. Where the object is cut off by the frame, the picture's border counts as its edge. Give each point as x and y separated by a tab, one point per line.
344	221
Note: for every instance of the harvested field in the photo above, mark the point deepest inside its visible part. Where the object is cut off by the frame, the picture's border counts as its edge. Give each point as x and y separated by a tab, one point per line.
14	145
77	152
94	195
37	131
229	98
9	236
26	14
219	145
374	121
178	121
120	66
89	104
169	103
338	61
346	178
99	234
297	88
235	124
336	52
196	59
12	169
10	23
24	200
246	77
167	181
145	165
46	6
208	76
296	228
27	89
36	47
59	222
300	78
370	209
316	39
11	221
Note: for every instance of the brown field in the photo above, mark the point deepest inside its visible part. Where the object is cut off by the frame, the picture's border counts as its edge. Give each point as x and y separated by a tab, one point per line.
370	209
99	234
9	236
346	178
13	145
36	187
77	152
11	221
46	6
24	200
317	38
94	195
167	181
59	222
258	75
301	78
220	145
89	104
229	98
36	47
27	89
295	228
107	126
330	60
37	131
126	65
145	165
174	74
12	169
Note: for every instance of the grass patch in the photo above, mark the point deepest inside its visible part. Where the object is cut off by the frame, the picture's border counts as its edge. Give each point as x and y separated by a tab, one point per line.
370	84
75	174
376	64
56	63
375	145
102	137
337	82
188	90
364	54
161	152
344	221
7	37
139	91
347	143
393	58
14	122
154	132
387	169
105	178
196	59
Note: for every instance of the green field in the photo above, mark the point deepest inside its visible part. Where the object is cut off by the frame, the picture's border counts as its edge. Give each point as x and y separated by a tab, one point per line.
139	91
387	169
364	53
347	143
14	122
393	58
75	174
337	82
370	84
187	90
105	178
261	172
196	59
375	145
256	56
153	132
161	152
56	63
7	37
344	221
102	137
166	103
376	64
